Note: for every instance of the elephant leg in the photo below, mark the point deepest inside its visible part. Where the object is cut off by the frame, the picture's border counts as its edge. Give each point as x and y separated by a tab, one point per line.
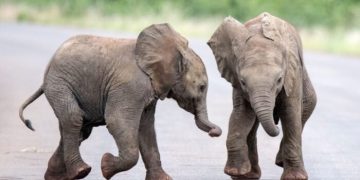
238	164
67	155
148	146
242	120
279	156
56	165
309	103
291	143
123	124
75	166
255	172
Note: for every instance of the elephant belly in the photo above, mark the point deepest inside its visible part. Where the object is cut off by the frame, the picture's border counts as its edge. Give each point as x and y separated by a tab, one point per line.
92	105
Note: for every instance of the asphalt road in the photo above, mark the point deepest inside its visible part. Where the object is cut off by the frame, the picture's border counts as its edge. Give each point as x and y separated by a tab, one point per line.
331	142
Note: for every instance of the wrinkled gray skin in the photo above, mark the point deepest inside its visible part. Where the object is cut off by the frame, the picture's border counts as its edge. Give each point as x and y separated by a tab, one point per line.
263	61
93	81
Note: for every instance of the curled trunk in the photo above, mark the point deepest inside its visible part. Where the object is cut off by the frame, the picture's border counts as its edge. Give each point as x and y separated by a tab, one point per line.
202	121
263	105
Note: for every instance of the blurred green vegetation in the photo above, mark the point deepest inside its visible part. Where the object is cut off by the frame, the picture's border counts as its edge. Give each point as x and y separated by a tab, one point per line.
325	24
329	13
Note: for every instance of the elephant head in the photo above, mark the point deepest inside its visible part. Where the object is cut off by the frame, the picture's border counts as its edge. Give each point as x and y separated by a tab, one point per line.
175	71
260	59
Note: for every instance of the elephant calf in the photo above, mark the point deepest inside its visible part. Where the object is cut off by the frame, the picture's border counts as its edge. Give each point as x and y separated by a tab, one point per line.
93	81
263	60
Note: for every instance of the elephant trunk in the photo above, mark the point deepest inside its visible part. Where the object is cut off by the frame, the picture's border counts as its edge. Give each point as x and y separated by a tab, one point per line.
263	104
202	121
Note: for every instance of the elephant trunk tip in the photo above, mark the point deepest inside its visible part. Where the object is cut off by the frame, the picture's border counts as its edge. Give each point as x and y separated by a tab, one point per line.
215	132
273	132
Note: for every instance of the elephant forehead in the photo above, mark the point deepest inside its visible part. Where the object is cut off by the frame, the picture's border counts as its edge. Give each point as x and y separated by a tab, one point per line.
260	69
196	67
265	52
196	74
259	56
199	68
259	41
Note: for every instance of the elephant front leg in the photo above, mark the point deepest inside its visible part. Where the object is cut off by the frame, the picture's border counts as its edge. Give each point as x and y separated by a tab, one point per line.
291	143
238	164
148	146
123	125
255	172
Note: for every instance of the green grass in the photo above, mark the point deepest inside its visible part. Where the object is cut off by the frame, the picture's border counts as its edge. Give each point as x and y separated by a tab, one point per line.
336	41
321	30
94	18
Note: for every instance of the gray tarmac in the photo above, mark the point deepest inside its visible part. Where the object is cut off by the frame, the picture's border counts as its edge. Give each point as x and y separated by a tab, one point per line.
331	143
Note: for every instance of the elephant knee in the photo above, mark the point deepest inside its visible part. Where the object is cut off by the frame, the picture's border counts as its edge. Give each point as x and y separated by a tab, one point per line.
130	159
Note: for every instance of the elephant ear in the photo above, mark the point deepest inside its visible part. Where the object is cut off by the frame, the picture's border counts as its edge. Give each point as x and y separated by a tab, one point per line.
228	45
159	53
283	33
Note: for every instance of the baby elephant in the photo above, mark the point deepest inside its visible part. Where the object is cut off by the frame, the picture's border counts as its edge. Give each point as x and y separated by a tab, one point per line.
263	60
93	81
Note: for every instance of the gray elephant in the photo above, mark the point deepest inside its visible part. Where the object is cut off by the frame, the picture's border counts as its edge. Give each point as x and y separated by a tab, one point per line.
93	81
263	60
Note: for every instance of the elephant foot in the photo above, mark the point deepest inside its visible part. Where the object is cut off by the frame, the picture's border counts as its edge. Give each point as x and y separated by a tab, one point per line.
293	173
56	168
53	175
157	174
79	171
237	170
255	173
108	165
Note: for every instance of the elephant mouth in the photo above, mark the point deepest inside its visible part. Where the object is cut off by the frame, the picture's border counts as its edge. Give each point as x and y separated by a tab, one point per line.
187	105
197	106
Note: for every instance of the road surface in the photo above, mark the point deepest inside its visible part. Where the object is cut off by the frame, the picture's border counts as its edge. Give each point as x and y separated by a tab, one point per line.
331	143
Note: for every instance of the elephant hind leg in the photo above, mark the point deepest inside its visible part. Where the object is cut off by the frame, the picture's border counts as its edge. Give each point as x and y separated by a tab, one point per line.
70	117
56	165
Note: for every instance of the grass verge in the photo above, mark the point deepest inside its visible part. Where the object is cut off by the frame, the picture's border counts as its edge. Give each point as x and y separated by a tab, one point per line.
336	40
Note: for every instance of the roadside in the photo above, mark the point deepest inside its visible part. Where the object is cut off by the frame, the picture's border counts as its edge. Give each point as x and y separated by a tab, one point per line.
335	40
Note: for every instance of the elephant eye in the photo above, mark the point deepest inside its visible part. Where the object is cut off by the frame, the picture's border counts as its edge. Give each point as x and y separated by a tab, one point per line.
242	82
202	88
279	80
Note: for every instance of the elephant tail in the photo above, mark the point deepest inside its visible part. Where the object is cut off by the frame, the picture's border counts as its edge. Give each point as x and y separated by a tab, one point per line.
32	98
